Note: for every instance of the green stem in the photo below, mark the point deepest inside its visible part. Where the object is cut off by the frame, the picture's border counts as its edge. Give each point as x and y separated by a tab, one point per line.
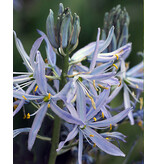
57	121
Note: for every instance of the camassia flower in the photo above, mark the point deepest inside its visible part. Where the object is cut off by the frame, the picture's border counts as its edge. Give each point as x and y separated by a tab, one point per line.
84	127
94	76
44	96
131	78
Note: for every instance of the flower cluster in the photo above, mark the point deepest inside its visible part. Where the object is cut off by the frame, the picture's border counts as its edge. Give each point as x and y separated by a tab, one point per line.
77	94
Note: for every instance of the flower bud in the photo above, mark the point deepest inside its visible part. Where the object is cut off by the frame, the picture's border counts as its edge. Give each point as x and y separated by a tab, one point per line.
120	20
64	36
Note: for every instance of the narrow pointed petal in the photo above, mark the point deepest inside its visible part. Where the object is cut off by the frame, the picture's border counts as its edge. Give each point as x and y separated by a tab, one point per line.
64	115
51	55
70	136
81	103
72	110
101	68
112	120
135	70
94	56
99	103
21	95
107	114
21	79
36	125
116	135
99	77
34	50
22	52
21	130
40	74
80	147
114	93
127	104
102	143
136	82
111	81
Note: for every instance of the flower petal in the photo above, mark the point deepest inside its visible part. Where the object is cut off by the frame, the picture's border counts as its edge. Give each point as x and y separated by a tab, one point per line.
127	104
40	74
94	56
36	125
34	49
51	55
102	143
21	130
70	136
81	103
22	52
112	120
64	115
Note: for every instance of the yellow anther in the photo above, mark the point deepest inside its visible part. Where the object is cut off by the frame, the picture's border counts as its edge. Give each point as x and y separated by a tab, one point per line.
46	60
141	102
24	97
36	88
117	57
94	85
115	66
110	126
28	116
133	94
94	145
91	135
103	115
94	118
127	65
49	95
102	86
48	105
137	86
24	117
140	123
119	83
15	99
15	106
92	100
107	138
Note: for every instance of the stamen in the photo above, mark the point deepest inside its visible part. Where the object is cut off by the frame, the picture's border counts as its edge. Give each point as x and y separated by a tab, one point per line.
140	123
24	117
94	118
133	94
115	66
28	116
48	105
117	57
36	88
94	85
94	145
92	100
103	115
24	97
102	86
15	106
141	103
137	86
49	96
107	138
110	127
91	135
46	60
119	84
15	99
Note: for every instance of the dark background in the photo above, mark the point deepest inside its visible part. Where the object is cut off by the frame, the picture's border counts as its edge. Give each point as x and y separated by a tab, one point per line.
33	16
